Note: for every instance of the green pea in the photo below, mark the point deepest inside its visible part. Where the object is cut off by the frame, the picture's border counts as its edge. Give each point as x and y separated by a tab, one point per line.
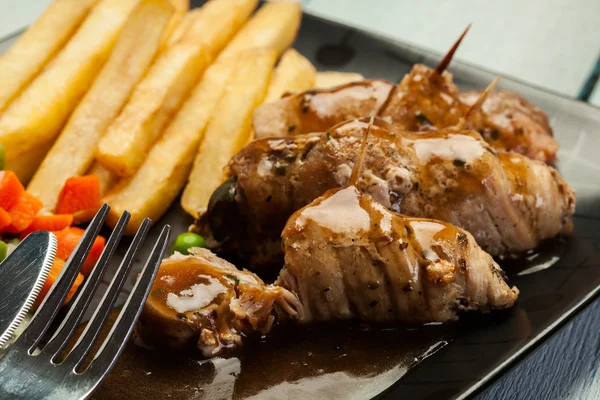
3	250
186	241
2	158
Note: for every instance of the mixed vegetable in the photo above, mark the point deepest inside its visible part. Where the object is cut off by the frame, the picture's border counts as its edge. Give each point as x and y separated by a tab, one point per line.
21	213
185	241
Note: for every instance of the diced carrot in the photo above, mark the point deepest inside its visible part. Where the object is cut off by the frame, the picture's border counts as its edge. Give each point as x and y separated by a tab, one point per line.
5	219
57	266
23	212
10	189
67	241
48	223
80	193
76	284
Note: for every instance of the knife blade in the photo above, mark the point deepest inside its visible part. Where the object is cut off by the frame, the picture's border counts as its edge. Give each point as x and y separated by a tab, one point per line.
22	276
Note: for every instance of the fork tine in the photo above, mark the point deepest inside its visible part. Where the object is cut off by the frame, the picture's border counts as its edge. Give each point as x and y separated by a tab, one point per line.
56	296
121	330
64	332
89	335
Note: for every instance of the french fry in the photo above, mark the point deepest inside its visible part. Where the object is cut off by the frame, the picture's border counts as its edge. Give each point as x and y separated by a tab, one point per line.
329	79
38	45
181	9
123	147
181	28
226	132
107	179
75	148
26	165
167	167
214	14
168	164
128	139
294	73
180	5
275	25
35	117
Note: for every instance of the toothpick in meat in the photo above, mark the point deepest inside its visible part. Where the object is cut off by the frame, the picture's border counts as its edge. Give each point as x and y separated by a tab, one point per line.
443	65
477	105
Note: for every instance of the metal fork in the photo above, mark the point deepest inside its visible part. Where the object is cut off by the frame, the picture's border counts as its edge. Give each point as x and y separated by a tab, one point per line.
29	370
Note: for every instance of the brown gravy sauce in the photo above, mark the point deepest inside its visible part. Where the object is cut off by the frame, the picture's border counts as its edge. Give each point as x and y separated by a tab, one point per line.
342	360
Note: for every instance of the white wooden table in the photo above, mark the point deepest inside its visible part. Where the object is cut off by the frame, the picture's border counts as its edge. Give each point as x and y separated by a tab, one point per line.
554	44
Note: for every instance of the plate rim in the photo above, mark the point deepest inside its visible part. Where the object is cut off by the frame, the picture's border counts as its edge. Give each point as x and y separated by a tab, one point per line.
507	364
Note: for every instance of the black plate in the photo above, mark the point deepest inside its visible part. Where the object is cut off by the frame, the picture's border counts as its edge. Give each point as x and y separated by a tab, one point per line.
480	348
486	347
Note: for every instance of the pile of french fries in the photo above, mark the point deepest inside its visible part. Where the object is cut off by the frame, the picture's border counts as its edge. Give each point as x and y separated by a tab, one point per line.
148	95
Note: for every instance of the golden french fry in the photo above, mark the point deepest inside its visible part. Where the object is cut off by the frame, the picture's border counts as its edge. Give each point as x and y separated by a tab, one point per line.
181	5
168	164
128	139
216	13
274	25
123	147
294	73
35	117
329	79
170	160
181	28
75	148
229	128
181	9
38	45
107	179
25	166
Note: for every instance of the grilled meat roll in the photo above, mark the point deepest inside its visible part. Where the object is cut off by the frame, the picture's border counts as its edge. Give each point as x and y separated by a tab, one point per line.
511	122
203	297
507	201
347	257
424	100
317	110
